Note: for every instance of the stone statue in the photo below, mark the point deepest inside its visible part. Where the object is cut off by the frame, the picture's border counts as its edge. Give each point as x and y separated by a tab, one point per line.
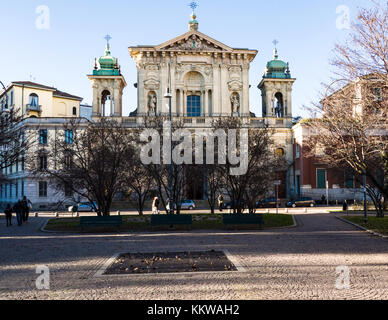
235	100
152	102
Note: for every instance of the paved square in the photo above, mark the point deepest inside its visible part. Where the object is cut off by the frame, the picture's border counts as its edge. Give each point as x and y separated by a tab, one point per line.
293	263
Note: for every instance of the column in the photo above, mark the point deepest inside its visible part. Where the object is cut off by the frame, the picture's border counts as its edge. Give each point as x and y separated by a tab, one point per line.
225	93
184	103
245	97
216	90
207	113
202	103
96	106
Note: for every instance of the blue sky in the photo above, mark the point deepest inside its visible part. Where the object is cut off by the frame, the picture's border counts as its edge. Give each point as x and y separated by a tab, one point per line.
63	55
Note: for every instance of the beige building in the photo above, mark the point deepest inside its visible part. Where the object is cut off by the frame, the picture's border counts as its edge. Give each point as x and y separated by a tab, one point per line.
40	101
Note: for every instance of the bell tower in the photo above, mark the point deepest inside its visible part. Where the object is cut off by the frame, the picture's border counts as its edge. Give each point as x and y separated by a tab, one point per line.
276	88
108	85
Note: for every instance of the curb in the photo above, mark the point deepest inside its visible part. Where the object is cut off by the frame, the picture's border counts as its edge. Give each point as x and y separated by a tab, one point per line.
362	228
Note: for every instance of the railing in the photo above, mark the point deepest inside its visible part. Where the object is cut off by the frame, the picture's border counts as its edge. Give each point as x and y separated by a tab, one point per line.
30	107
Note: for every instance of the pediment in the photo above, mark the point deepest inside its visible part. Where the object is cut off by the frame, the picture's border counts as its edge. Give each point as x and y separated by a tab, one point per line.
194	41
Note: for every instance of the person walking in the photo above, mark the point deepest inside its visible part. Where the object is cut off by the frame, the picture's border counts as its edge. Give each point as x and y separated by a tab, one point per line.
17	208
155	206
26	205
220	202
8	215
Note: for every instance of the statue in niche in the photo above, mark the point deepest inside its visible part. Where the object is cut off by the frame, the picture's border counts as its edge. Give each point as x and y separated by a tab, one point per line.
152	102
235	101
279	110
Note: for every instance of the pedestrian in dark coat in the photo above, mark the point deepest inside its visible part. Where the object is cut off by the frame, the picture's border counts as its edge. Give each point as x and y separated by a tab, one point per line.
8	215
18	209
26	208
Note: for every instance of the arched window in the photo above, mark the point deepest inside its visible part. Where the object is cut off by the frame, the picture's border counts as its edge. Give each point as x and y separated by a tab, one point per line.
280	152
34	101
106	108
279	105
193	106
74	111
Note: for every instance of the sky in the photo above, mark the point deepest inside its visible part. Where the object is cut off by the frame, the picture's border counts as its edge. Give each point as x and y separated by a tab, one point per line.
55	42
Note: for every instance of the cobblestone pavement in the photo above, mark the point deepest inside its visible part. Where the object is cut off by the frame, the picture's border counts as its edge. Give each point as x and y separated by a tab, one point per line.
293	263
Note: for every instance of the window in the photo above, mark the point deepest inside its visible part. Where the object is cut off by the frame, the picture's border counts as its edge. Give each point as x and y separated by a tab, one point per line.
16	189
11	98
34	101
377	93
69	137
280	152
23	164
43	136
68	162
74	111
297	155
1	190
10	190
193	106
5	191
349	180
321	178
42	189
43	162
68	190
22	189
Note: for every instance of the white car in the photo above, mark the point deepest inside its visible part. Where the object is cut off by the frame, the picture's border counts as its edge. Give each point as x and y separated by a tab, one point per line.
83	207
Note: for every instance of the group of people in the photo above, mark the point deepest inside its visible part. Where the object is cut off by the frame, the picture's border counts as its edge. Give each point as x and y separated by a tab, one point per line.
22	210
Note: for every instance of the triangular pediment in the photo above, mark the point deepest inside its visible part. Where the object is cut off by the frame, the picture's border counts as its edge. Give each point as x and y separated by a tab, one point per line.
193	41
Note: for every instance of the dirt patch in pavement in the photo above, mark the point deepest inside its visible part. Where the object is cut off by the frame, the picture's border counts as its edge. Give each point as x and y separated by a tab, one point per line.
171	262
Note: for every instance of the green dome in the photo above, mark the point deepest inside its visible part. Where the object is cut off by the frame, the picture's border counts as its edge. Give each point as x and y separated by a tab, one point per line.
107	61
108	65
277	64
277	68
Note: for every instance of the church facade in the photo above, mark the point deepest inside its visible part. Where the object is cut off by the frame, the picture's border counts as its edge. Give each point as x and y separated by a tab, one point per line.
207	80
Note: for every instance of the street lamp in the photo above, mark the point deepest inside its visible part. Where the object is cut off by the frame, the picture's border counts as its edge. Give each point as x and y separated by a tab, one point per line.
365	199
169	97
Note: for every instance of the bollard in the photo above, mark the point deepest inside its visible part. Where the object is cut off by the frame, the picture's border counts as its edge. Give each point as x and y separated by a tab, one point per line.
118	213
56	215
36	215
77	214
305	210
286	210
267	211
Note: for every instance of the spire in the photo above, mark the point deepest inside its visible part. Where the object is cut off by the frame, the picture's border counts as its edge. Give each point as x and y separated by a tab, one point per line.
275	51
193	24
107	49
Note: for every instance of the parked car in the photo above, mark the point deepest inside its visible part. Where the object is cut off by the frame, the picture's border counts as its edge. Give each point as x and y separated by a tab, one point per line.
233	205
267	203
185	205
188	205
301	202
84	207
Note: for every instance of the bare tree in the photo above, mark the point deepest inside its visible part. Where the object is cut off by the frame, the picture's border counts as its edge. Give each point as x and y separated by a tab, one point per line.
90	159
261	166
14	140
160	172
350	130
138	181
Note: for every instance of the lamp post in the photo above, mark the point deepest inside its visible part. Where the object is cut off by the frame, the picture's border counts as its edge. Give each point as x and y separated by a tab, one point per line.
365	204
169	97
